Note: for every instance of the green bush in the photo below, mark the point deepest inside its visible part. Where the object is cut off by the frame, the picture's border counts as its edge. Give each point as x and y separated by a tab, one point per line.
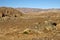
25	32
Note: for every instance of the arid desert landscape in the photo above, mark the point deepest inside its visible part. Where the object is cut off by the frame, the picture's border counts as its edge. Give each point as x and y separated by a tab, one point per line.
29	24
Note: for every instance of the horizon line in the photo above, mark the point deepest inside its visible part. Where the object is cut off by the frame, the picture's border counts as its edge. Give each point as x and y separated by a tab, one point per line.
31	7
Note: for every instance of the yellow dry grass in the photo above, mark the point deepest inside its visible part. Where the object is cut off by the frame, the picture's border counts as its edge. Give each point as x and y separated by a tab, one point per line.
38	27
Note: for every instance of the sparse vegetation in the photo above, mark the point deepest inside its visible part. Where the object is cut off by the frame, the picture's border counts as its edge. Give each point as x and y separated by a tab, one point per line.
9	12
43	25
25	32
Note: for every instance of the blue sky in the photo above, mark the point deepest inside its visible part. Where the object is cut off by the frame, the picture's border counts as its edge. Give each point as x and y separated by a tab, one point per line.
31	3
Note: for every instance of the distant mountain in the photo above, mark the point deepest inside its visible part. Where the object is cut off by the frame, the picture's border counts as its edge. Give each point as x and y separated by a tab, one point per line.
27	10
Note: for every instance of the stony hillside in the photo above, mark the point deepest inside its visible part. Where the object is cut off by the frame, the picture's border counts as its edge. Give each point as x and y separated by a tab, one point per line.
6	11
16	26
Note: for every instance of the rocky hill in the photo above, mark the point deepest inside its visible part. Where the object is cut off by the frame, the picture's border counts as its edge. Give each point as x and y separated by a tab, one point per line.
6	11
